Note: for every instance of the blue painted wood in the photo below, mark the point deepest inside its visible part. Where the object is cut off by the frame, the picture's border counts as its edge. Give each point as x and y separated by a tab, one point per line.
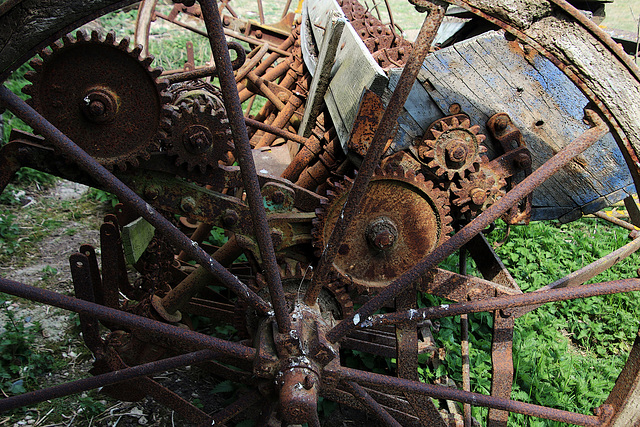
487	75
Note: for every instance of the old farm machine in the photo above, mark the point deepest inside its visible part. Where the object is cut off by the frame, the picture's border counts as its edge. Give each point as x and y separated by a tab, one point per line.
358	163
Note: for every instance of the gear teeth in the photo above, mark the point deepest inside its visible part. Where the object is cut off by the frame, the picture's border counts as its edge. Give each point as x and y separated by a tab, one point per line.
67	43
110	38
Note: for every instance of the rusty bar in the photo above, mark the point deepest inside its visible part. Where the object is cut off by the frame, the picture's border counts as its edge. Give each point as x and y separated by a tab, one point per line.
198	73
129	320
81	273
506	302
372	158
616	221
112	184
261	11
400	386
363	397
245	158
285	10
181	294
464	344
276	131
282	119
588	272
103	380
475	227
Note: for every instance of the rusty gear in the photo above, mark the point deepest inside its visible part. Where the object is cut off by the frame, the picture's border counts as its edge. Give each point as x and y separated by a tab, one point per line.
200	135
451	147
102	95
334	301
477	193
402	219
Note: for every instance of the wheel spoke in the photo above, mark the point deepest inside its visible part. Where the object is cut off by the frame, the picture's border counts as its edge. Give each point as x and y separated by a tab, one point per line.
361	394
152	327
103	380
504	302
247	166
482	221
400	385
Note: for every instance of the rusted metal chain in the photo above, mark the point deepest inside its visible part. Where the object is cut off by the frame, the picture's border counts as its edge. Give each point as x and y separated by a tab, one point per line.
245	158
110	182
476	226
372	158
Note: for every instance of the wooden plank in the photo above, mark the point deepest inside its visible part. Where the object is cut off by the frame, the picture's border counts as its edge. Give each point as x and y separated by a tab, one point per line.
487	74
353	71
135	239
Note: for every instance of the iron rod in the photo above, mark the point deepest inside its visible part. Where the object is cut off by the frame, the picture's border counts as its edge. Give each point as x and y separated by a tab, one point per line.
244	155
132	321
505	302
476	226
448	393
87	163
104	380
365	398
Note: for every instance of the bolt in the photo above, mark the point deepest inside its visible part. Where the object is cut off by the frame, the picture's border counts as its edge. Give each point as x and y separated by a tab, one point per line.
277	197
152	192
478	196
309	382
197	139
97	108
455	108
381	233
501	123
457	151
282	96
187	204
523	160
229	218
258	34
226	21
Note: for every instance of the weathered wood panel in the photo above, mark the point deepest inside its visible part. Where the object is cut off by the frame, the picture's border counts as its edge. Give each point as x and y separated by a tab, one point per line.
354	68
489	74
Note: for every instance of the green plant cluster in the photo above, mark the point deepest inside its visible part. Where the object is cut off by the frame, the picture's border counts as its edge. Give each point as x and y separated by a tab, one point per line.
567	355
20	364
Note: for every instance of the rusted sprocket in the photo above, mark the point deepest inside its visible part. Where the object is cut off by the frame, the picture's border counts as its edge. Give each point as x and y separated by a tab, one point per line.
477	193
103	95
200	135
451	147
402	219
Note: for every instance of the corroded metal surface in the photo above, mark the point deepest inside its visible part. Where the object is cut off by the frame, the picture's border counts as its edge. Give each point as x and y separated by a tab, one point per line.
378	238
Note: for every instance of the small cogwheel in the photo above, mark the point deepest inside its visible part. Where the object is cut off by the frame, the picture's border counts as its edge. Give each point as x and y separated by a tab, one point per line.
477	193
452	147
103	96
200	136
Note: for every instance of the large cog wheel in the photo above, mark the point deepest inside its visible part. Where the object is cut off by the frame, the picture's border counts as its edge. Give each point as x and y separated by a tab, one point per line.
103	95
451	147
401	220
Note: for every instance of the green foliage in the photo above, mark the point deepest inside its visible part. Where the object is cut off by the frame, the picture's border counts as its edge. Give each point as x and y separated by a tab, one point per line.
20	365
102	196
9	232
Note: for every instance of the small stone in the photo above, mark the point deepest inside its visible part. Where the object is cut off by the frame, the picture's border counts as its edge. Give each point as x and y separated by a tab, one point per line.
143	420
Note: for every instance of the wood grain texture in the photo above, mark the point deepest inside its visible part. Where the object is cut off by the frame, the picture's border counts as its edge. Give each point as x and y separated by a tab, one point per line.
489	74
